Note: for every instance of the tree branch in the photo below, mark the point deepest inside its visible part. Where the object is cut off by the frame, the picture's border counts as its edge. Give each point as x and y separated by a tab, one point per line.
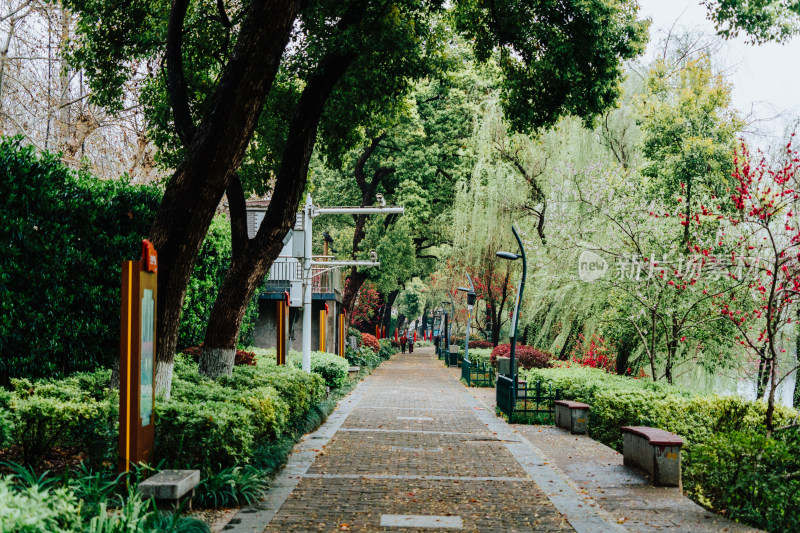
176	80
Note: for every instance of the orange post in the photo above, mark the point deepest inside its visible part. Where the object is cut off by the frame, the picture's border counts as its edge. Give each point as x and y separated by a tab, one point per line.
283	332
323	318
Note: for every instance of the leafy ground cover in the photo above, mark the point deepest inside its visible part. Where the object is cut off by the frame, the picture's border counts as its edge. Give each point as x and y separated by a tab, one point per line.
730	464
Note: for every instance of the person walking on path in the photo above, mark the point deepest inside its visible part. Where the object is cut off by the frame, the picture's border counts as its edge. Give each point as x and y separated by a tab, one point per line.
411	342
403	341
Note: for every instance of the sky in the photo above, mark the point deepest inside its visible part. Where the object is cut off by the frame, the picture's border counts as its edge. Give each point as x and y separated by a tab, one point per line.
765	78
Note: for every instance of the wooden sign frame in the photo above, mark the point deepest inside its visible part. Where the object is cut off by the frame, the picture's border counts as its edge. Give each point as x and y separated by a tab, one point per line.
282	331
137	364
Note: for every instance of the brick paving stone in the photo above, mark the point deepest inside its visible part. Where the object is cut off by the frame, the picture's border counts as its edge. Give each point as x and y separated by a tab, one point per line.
421	419
357	505
417	454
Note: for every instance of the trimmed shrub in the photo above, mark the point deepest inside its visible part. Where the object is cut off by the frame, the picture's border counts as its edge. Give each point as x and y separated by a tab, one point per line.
472	343
370	342
65	234
299	390
754	479
6	419
203	435
527	356
363	357
387	349
49	414
332	368
480	355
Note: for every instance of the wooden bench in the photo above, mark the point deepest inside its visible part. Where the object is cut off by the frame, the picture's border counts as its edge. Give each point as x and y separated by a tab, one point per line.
572	416
171	488
656	451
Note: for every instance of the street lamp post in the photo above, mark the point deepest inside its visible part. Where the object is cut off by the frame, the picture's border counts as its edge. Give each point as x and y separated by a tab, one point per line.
442	332
310	212
448	318
512	257
471	297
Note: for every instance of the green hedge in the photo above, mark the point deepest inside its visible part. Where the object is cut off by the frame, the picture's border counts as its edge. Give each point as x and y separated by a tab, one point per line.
66	234
729	465
206	424
480	355
332	368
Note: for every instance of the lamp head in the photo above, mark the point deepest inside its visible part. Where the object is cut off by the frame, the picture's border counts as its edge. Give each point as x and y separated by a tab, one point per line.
508	255
464	289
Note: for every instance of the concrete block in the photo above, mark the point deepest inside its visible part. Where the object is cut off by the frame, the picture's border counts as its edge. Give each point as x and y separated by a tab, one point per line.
169	484
572	416
656	451
504	365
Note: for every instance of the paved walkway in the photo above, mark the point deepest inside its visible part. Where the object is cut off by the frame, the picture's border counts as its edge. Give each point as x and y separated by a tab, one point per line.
411	449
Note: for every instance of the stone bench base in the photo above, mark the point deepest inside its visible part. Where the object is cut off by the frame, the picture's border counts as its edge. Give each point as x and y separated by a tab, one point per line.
353	371
170	488
656	451
572	416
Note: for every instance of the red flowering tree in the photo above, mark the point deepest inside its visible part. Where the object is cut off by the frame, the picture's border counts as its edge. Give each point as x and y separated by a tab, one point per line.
595	352
493	285
766	231
365	308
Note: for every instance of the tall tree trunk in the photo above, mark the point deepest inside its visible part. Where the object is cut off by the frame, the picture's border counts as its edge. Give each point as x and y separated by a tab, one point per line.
623	357
387	310
214	153
248	271
773	386
762	379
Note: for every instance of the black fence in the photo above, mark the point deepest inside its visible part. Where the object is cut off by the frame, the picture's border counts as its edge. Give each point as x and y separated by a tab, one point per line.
478	374
533	404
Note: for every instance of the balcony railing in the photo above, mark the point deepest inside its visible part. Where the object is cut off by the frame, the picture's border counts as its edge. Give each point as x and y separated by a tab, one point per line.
287	269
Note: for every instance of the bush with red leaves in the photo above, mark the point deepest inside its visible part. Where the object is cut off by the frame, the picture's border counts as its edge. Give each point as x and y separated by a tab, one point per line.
370	342
480	344
527	356
242	358
472	343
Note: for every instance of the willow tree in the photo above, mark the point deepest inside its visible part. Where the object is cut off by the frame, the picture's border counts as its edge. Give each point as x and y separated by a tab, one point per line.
214	67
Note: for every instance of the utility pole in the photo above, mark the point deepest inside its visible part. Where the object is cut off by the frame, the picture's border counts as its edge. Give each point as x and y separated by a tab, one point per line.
310	212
